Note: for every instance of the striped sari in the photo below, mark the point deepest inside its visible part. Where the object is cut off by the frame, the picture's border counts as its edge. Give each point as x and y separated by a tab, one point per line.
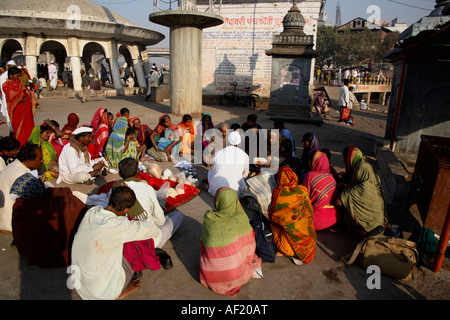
321	187
227	247
100	135
291	217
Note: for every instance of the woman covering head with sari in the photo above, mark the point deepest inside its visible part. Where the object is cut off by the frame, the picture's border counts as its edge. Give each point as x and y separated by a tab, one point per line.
21	103
227	258
142	133
188	132
72	123
115	145
291	218
40	136
100	134
363	200
310	146
44	221
321	187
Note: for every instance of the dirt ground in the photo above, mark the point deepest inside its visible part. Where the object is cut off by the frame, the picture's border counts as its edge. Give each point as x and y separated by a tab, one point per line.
325	278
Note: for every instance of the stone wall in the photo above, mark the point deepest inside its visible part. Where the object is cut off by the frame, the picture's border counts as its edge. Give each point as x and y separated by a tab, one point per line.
235	50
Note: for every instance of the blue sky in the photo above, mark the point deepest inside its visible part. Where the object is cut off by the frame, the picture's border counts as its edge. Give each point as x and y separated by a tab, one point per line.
407	11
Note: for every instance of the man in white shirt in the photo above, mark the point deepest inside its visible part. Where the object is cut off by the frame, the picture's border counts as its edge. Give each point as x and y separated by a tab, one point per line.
230	167
153	81
344	100
29	158
53	75
147	208
104	273
75	164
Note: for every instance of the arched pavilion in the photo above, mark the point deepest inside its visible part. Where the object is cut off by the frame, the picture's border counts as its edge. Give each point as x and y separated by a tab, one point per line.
72	31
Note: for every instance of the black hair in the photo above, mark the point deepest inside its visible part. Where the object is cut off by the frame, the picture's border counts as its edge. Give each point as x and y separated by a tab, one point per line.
9	144
187	117
308	137
327	152
346	81
128	168
278	123
123	111
44	128
235	126
351	88
122	198
28	152
110	115
130	130
252	117
13	70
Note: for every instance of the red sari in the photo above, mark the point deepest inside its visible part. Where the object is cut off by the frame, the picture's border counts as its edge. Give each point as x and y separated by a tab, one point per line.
21	104
101	134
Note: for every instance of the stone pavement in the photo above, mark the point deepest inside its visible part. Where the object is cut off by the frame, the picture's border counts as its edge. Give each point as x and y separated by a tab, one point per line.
325	278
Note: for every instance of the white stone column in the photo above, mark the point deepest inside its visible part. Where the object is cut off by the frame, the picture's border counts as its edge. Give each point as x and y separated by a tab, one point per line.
140	73
115	74
76	76
31	64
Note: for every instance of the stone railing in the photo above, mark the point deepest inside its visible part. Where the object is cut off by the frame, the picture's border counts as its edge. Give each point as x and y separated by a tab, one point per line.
187	5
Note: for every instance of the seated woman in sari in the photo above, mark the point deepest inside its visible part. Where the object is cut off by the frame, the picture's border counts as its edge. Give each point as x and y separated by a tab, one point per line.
44	221
100	135
187	132
362	202
56	136
115	146
142	133
310	146
164	123
40	136
227	257
130	147
206	124
291	218
322	191
21	104
72	123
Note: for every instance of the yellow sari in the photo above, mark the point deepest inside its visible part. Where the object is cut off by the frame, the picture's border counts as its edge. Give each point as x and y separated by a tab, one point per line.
291	217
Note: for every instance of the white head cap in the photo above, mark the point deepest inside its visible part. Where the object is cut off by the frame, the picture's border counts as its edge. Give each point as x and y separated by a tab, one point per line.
234	138
11	63
81	130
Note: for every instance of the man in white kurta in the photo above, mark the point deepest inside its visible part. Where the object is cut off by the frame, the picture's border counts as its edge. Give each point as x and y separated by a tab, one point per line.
53	75
7	177
98	251
230	167
146	198
76	166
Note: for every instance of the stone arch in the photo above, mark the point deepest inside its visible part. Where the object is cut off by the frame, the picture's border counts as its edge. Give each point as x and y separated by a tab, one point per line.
52	50
8	49
126	62
94	56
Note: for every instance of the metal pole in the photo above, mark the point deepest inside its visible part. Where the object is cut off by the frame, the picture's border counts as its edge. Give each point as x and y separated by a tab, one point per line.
445	235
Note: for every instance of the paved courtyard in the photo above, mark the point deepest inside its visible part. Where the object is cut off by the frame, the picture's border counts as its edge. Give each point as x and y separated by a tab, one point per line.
325	278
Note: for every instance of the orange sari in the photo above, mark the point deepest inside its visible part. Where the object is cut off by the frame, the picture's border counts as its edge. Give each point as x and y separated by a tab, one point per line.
21	104
291	217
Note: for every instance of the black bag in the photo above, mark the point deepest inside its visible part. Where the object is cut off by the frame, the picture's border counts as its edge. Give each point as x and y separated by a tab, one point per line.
265	247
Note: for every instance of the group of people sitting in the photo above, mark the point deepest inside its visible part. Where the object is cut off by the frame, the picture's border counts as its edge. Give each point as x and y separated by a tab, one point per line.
302	196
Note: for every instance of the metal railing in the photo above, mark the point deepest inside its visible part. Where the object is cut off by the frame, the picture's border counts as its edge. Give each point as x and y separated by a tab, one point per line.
163	5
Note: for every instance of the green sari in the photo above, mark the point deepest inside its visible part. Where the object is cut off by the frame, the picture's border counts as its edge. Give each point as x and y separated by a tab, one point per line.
48	152
115	145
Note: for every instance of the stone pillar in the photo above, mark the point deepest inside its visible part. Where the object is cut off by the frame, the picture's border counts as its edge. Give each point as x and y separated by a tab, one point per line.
139	73
115	74
76	76
31	64
185	70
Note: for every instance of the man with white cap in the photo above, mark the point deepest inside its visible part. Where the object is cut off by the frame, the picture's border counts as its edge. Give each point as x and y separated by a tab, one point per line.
230	167
75	163
53	75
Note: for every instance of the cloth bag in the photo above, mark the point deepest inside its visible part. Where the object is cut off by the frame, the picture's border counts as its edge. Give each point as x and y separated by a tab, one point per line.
395	257
265	246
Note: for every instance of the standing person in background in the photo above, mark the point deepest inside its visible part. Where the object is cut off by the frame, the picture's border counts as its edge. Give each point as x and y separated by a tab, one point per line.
153	81
21	103
344	101
53	75
85	86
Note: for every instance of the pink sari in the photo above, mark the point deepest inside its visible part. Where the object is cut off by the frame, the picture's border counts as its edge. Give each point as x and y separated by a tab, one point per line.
322	188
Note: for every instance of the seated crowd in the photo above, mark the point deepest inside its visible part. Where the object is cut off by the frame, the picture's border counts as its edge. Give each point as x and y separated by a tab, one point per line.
300	196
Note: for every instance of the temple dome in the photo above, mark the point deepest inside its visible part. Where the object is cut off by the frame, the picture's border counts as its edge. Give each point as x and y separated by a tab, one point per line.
89	11
293	20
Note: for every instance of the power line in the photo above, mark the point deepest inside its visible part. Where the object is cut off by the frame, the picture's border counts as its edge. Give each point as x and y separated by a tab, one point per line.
408	5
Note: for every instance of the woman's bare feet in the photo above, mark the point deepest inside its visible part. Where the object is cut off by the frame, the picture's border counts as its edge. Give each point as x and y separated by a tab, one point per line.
133	286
